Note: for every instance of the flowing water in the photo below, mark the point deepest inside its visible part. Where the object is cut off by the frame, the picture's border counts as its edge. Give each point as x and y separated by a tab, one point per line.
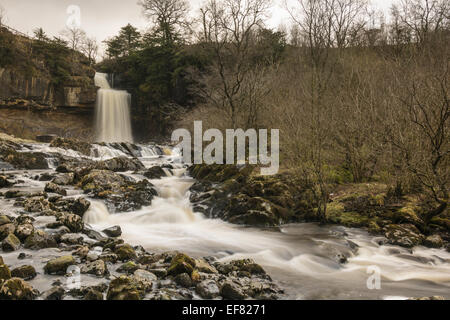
113	122
302	258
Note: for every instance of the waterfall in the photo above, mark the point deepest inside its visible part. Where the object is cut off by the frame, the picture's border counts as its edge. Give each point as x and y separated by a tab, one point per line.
112	119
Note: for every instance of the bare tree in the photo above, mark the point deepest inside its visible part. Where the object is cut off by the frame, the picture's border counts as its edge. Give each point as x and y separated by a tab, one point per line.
229	27
424	17
74	37
90	49
170	17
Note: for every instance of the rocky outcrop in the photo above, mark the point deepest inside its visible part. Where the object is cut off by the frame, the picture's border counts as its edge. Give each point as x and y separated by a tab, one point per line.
39	77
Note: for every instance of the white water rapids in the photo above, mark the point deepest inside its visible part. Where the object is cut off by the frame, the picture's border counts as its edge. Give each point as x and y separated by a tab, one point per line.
113	123
300	257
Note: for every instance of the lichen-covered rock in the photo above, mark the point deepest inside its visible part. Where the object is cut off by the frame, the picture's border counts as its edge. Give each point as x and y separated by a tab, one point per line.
64	179
121	164
120	193
71	239
17	289
71	144
40	240
125	288
59	265
125	252
128	267
405	235
181	263
10	243
54	188
23	231
24	272
36	204
77	206
5	273
72	221
433	241
203	266
208	289
25	160
97	268
6	229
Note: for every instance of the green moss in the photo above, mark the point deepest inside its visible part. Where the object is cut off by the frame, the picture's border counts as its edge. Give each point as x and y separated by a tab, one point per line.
336	214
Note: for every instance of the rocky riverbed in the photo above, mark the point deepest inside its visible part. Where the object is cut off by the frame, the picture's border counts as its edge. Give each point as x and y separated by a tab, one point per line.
124	221
48	252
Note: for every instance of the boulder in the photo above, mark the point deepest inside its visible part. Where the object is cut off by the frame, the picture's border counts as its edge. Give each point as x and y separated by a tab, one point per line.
72	221
24	272
23	231
97	268
17	289
404	235
71	239
71	144
113	232
183	279
10	243
125	288
64	179
155	173
4	220
55	293
6	229
433	241
59	265
121	164
208	289
54	188
93	295
181	263
128	267
203	266
232	291
40	240
5	273
125	252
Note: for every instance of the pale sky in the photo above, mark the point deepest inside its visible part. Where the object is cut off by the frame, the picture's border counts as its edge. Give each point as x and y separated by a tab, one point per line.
104	18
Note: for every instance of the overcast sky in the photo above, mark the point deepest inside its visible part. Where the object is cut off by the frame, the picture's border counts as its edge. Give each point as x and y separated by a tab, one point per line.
103	18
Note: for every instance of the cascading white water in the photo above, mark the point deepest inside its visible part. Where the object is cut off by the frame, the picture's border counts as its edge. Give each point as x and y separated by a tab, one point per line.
113	123
301	257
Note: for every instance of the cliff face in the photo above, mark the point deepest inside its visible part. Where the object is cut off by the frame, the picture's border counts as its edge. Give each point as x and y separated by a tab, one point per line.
40	81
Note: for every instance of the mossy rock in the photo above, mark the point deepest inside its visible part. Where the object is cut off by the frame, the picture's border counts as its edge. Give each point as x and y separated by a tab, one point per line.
125	252
17	289
5	273
129	267
125	288
405	235
59	265
40	240
24	272
181	263
10	243
70	144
